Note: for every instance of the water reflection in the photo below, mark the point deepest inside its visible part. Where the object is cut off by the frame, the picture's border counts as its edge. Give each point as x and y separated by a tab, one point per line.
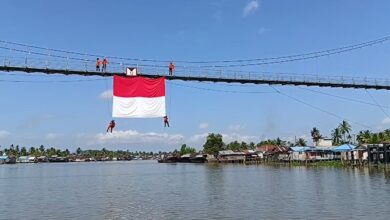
147	190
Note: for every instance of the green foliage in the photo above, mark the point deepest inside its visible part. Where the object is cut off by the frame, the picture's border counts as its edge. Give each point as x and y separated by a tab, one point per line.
345	129
336	136
213	144
187	150
367	137
300	142
316	135
276	141
23	151
78	151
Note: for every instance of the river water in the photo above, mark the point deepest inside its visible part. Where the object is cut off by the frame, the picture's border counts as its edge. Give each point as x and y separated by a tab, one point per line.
148	190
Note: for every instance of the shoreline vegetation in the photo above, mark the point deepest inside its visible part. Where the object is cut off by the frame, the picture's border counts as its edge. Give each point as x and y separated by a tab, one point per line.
341	150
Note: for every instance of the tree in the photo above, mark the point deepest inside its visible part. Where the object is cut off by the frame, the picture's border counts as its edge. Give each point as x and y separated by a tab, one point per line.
31	151
381	136
244	146
336	136
267	142
360	137
213	144
252	146
17	151
186	150
316	135
42	149
65	153
345	129
23	151
364	137
78	151
301	142
374	139
234	146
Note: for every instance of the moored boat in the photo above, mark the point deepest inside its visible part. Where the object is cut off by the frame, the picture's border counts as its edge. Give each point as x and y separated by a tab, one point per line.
198	159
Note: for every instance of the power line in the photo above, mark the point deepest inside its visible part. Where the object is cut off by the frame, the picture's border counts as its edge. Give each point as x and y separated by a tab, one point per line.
373	99
319	109
279	59
218	90
345	98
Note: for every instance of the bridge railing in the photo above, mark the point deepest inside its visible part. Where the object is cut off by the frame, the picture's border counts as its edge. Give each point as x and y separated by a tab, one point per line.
88	65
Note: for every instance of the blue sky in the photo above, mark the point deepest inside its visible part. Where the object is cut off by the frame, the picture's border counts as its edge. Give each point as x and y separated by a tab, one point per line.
75	114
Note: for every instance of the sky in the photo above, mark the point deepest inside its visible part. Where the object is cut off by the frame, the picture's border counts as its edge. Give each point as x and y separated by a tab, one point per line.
76	113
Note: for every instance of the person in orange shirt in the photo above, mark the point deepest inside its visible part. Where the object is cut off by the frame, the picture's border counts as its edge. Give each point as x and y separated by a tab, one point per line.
98	64
105	62
171	69
166	122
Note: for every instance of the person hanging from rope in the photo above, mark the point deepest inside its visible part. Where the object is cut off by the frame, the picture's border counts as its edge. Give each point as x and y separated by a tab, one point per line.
166	122
171	68
98	64
105	62
111	126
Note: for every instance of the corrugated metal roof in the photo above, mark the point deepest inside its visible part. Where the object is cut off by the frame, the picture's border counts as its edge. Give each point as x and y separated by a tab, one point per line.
344	148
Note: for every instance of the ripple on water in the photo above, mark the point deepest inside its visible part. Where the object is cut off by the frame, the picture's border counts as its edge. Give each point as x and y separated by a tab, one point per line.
148	190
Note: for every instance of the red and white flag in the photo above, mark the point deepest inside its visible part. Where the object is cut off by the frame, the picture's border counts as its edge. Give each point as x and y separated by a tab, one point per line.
138	97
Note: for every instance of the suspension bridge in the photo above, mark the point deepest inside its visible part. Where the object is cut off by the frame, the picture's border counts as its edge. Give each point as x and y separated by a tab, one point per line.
15	57
189	74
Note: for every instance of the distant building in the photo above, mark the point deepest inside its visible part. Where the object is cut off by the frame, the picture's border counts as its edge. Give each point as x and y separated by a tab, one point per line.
230	156
7	159
323	142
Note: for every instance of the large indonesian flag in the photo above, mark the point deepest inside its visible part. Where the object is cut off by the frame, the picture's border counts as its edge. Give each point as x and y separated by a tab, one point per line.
138	97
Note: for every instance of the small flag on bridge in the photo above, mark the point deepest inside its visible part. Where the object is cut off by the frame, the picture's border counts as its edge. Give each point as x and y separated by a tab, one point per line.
131	71
138	97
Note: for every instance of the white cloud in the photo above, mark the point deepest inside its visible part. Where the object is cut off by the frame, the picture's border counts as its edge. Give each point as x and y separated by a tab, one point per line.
4	134
197	139
386	121
236	127
251	8
227	138
106	94
203	125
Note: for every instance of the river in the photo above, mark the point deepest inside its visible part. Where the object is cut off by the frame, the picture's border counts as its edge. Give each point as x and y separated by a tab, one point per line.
148	190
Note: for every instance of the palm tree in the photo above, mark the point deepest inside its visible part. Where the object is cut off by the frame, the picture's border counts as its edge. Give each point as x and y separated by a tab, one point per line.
374	138
336	136
360	138
315	134
301	142
42	149
344	129
381	137
367	136
387	134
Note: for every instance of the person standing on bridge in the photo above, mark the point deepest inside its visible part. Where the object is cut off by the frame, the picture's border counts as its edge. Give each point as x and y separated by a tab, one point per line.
111	126
105	62
171	69
166	122
98	64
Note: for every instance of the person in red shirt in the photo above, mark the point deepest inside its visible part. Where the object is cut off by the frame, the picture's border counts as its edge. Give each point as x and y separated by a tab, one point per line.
98	64
111	126
105	62
171	68
166	122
